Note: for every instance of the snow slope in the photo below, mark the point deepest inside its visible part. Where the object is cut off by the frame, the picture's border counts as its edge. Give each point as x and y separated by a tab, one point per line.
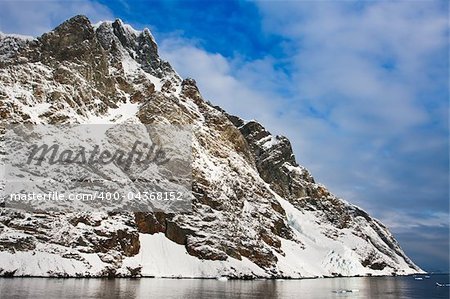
256	212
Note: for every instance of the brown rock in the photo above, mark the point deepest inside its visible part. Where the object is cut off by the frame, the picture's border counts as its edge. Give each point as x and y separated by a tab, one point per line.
262	257
122	240
150	223
176	233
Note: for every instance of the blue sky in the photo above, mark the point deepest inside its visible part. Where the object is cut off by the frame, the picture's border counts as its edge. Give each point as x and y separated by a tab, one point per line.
360	88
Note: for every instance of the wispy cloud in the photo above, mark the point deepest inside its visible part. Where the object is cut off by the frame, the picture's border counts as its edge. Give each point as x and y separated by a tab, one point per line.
234	84
36	17
364	100
375	75
403	222
356	102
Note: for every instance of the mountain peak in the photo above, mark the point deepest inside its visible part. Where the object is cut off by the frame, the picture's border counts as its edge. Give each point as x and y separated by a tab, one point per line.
79	25
126	36
255	211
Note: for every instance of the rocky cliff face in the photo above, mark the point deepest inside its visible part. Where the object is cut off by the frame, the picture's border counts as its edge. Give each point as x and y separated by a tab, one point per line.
256	211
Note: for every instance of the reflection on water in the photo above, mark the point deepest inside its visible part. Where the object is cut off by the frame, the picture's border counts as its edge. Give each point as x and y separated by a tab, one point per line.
362	287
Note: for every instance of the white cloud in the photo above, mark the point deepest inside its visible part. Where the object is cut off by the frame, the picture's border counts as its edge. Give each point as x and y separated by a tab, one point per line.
342	50
232	84
365	69
36	17
402	222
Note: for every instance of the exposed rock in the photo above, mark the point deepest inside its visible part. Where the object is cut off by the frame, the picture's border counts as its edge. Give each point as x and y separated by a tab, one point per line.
253	205
189	89
177	233
150	223
124	241
204	249
22	243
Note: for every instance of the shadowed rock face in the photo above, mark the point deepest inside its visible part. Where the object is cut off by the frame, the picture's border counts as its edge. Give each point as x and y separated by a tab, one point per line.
275	160
72	40
242	175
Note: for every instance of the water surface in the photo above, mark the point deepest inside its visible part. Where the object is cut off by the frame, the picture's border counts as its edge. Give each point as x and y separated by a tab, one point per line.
360	287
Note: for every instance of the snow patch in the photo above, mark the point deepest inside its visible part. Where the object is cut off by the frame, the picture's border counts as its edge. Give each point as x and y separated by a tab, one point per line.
160	257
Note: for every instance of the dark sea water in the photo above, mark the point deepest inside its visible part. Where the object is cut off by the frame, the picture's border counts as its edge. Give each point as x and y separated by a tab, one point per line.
360	287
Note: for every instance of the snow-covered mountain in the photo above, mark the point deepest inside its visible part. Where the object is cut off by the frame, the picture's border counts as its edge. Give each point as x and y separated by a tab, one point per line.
255	213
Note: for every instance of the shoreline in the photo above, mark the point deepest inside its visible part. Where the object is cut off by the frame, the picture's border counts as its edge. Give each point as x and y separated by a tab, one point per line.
220	277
